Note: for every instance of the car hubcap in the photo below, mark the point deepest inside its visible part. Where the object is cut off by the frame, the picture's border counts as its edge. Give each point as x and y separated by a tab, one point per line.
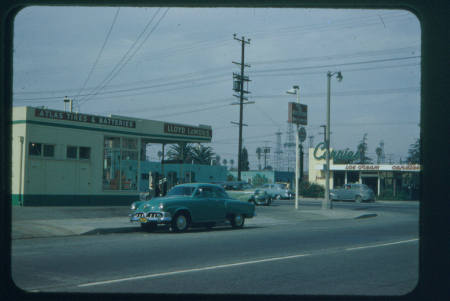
238	220
181	222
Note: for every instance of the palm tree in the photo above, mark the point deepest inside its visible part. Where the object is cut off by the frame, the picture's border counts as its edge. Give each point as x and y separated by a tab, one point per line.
225	162
180	151
202	154
258	153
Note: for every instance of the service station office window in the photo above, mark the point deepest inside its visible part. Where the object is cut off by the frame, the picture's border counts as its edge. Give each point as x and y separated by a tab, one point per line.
75	152
71	152
39	150
120	158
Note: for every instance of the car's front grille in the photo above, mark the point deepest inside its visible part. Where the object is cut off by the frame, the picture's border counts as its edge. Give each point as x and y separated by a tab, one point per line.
153	214
139	214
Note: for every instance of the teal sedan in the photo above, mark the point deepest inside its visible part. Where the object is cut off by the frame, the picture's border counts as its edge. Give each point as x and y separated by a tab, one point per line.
192	204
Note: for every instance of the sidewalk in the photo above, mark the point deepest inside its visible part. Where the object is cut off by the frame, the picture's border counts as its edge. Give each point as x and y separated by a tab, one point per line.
33	222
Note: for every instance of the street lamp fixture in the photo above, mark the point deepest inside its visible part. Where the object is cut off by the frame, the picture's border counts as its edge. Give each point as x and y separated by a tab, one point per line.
327	203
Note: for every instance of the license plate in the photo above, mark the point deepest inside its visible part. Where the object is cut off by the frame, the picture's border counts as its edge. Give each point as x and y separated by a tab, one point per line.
143	220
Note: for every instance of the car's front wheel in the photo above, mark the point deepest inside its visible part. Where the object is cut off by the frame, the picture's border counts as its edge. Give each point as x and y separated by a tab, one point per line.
237	221
358	199
180	223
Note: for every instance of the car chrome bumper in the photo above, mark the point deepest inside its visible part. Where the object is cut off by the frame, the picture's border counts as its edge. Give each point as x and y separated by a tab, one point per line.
154	217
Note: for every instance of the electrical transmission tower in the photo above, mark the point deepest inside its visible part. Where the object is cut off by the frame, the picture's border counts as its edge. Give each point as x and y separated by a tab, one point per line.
289	147
278	152
266	152
238	86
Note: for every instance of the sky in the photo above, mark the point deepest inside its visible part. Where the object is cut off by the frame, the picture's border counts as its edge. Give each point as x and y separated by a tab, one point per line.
175	64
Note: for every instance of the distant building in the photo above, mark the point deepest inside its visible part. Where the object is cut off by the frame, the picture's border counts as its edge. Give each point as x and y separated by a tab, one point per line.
63	158
384	179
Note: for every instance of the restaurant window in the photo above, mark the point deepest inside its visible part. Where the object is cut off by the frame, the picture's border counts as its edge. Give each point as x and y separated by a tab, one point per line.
35	149
85	152
71	152
49	150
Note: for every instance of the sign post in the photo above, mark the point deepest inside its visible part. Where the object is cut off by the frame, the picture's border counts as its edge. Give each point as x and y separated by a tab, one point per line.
298	114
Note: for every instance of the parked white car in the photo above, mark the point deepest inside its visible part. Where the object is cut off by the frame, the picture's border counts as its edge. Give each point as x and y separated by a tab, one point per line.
278	191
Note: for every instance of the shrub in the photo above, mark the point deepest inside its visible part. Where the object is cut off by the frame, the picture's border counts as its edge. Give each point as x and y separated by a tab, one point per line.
311	190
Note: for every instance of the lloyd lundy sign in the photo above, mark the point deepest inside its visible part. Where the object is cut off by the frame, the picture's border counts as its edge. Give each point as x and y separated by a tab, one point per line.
340	155
171	128
59	115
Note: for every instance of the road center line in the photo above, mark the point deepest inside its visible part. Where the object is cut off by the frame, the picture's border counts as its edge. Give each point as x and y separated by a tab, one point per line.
382	245
193	270
230	265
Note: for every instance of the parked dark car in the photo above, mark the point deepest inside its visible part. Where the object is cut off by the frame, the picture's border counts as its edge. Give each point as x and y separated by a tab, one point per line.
353	192
236	185
260	197
188	205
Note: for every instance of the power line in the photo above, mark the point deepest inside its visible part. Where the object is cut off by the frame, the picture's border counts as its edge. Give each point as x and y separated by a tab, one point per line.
339	56
187	81
122	63
336	65
184	76
99	54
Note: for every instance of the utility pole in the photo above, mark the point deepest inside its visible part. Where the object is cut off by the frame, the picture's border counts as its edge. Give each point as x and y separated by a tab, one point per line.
278	152
238	86
327	203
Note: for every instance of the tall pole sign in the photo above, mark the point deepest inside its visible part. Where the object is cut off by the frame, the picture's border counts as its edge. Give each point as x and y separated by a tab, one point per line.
298	114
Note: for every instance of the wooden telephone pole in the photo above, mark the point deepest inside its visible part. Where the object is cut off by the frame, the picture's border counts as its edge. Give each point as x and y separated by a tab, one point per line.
238	86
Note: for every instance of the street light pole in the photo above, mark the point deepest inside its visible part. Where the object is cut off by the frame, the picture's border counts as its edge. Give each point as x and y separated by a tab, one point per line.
327	204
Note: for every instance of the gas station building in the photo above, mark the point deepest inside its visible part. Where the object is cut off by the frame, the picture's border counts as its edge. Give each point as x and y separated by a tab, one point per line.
62	158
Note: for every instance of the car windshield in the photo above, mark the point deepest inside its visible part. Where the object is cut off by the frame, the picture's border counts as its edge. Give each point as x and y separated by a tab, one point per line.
181	190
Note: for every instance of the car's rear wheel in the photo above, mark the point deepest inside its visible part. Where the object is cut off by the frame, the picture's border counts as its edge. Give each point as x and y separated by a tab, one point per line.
358	199
237	221
149	227
180	223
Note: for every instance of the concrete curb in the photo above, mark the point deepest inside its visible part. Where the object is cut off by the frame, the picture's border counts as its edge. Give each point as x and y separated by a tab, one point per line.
26	227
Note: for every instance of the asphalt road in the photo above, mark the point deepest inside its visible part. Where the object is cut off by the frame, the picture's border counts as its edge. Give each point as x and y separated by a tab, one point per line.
369	256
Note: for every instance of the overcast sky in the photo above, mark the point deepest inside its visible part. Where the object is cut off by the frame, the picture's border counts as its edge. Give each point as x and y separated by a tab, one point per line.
176	65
